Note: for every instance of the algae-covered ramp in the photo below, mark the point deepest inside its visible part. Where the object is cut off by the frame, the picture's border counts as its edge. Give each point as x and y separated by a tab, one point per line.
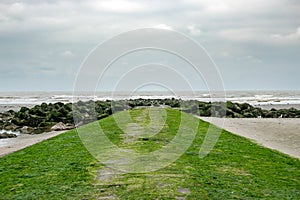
61	168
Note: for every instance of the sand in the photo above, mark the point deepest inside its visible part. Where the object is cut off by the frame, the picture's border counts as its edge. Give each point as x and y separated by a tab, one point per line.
11	145
281	134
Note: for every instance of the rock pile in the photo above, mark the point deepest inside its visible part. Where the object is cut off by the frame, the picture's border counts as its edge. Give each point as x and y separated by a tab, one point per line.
60	116
7	135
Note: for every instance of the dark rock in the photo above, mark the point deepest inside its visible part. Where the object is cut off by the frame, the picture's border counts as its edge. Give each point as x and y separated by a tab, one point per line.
233	106
23	109
59	105
245	106
270	114
11	127
237	115
7	135
249	115
229	113
44	106
54	116
108	111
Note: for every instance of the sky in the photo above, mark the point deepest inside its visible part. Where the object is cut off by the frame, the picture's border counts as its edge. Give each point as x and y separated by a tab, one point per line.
255	44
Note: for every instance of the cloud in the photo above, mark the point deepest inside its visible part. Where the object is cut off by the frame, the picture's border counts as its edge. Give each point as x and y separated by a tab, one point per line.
265	30
261	35
46	69
293	37
243	34
118	6
67	54
225	54
163	26
194	31
249	58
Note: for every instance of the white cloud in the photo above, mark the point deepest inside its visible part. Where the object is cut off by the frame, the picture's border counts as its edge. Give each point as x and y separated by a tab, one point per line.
16	8
163	26
225	54
194	31
249	58
233	29
243	34
229	8
290	38
119	6
67	54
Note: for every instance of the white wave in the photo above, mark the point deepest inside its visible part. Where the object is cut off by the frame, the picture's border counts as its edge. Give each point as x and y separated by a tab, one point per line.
9	132
251	97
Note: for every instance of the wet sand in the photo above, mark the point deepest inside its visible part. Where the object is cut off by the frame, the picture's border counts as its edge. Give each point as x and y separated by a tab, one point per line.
282	134
11	145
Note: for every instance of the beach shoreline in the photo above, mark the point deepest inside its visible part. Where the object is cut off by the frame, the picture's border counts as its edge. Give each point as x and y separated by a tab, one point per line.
281	134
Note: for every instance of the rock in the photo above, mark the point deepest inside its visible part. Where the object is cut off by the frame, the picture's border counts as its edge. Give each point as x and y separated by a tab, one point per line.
233	106
245	106
24	109
61	126
54	116
7	135
10	127
249	115
229	113
26	130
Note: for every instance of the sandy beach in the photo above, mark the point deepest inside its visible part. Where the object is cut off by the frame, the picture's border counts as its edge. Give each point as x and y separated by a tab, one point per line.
11	145
282	134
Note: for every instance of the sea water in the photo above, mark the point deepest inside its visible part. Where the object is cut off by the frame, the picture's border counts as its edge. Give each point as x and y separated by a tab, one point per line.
255	98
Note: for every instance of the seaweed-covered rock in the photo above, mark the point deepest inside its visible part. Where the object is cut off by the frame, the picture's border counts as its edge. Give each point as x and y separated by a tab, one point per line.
23	109
11	127
54	116
234	107
245	106
42	117
7	135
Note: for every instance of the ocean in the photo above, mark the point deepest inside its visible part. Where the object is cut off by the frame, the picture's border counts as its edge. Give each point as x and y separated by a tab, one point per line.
264	99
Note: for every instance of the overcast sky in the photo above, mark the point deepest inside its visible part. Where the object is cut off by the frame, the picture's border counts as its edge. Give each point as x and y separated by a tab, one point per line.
255	44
